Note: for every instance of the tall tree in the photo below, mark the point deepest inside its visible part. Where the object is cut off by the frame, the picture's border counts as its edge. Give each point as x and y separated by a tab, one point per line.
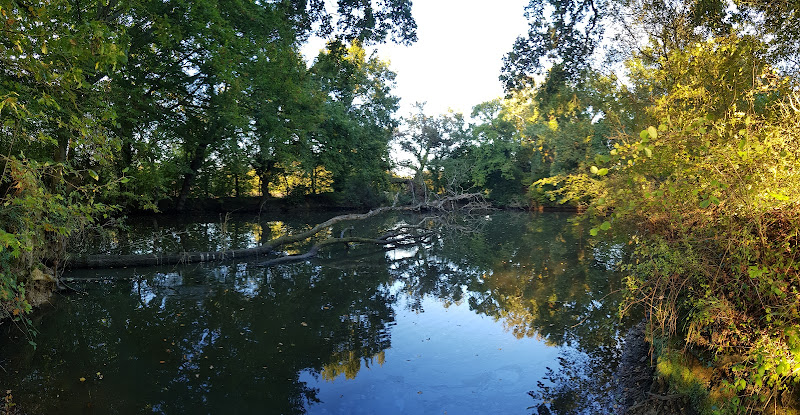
196	68
54	60
429	140
359	121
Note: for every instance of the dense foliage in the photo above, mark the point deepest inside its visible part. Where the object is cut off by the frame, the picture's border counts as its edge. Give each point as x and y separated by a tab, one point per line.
674	126
691	161
109	105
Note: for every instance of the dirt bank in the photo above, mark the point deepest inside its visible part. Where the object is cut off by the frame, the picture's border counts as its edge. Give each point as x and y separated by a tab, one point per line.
640	393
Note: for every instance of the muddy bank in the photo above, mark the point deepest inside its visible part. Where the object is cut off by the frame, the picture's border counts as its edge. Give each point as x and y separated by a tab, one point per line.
638	391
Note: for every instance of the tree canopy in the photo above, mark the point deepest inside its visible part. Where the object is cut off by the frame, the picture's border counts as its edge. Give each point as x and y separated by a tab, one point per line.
133	105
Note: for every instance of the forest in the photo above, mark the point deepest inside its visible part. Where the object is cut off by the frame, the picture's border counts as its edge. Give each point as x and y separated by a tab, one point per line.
672	126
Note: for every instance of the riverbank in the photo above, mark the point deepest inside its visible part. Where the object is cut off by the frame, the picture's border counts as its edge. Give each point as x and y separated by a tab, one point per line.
640	391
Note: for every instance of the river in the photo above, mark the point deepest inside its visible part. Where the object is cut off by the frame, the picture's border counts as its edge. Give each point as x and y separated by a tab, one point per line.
497	315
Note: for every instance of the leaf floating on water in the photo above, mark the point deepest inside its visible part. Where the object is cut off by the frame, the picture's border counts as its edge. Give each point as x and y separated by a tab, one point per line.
82	379
304	324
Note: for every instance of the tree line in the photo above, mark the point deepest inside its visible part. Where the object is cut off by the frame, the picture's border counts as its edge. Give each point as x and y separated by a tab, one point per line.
109	106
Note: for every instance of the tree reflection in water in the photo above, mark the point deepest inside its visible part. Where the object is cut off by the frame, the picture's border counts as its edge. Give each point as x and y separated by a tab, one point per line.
238	337
541	278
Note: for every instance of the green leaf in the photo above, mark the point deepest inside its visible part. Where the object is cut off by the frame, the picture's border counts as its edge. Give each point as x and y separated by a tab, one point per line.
93	174
593	231
605	225
602	172
644	134
124	180
593	169
648	152
782	369
653	132
705	203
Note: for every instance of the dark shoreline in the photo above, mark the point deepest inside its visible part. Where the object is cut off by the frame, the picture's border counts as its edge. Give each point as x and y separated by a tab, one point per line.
639	392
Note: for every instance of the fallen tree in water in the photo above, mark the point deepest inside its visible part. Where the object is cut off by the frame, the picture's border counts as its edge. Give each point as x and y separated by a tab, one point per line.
462	202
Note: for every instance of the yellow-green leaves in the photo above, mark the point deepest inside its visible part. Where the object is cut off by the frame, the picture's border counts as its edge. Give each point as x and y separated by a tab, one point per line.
652	132
598	171
606	225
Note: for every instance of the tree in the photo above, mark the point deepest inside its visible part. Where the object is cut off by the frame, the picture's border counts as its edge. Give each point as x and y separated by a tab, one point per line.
286	109
353	140
429	141
54	61
213	62
562	36
499	157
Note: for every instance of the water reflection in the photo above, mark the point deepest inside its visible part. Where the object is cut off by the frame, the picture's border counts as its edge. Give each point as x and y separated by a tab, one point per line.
298	338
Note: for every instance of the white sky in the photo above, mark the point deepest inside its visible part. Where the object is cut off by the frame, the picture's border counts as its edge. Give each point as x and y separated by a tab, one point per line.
458	55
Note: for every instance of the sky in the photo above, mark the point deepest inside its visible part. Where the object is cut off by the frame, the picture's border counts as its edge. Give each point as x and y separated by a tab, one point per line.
456	60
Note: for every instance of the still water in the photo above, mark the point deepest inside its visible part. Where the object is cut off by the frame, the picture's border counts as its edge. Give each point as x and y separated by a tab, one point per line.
468	322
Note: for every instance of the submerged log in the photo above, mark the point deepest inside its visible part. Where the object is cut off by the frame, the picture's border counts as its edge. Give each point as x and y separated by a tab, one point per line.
469	200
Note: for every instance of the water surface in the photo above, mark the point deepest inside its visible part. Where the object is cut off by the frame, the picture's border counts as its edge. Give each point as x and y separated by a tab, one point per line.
468	322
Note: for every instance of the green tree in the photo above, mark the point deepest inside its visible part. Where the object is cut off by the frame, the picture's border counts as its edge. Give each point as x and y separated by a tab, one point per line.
55	57
199	74
353	140
430	141
499	158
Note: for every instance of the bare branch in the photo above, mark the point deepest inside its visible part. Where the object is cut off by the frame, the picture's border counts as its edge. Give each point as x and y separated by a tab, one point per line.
448	204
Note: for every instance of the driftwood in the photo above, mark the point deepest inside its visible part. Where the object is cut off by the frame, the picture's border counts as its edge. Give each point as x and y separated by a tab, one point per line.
467	200
393	239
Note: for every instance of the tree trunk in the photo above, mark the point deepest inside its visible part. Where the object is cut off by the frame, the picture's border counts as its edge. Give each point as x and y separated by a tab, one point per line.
59	156
112	261
314	181
188	179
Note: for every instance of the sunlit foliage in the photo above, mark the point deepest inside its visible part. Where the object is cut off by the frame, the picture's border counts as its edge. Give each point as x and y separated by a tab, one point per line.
695	168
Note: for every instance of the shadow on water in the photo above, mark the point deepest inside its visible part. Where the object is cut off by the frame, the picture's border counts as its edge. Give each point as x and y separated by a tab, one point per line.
238	338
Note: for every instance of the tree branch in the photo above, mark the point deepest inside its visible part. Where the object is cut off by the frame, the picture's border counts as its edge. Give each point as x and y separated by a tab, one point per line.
447	204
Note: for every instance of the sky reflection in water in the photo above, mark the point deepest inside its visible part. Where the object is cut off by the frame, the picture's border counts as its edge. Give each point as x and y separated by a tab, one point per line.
465	324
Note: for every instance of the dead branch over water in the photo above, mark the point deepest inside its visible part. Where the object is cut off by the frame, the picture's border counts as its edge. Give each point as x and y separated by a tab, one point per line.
467	202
